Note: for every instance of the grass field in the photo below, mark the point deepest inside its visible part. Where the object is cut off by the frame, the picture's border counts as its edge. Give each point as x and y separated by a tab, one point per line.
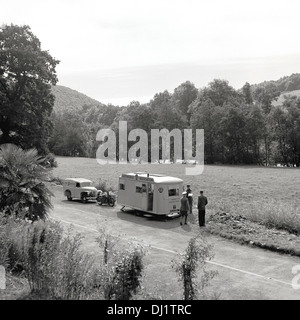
234	189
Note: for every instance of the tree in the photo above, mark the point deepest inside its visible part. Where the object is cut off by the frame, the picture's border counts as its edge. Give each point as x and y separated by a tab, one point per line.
183	96
26	75
233	125
265	94
22	183
205	115
247	93
220	92
254	129
165	113
286	128
294	132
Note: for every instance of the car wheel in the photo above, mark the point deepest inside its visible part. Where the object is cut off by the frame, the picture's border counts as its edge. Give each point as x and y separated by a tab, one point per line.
83	198
69	196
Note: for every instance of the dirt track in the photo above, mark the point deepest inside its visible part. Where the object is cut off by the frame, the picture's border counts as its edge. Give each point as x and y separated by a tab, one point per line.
243	272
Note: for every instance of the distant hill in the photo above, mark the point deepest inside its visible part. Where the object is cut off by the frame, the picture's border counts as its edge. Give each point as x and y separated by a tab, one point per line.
283	94
66	97
288	85
284	84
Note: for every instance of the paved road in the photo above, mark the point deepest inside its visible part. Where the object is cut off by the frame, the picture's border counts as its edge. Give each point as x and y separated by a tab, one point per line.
243	272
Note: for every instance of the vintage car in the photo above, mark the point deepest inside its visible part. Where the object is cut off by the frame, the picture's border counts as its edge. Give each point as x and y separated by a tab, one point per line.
79	188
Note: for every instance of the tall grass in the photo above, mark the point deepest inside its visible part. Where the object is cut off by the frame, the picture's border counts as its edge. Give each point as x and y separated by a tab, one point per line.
10	231
271	213
274	214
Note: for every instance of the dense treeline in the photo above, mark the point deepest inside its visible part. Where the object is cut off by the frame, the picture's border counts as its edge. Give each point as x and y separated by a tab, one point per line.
241	126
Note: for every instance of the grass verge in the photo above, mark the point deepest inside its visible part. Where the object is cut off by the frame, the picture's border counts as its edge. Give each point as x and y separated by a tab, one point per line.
271	226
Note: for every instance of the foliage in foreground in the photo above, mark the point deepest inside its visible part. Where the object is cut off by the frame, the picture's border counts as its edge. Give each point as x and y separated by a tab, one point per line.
22	183
54	263
190	264
121	272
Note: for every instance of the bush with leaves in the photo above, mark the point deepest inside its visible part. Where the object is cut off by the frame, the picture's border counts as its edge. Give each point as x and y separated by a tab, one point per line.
11	230
190	264
23	191
121	268
104	186
122	280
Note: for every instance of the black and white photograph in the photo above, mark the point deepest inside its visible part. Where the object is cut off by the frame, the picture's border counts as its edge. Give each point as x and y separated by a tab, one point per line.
150	153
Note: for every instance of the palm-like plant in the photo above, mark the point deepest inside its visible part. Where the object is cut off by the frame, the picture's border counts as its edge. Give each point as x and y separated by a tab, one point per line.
22	188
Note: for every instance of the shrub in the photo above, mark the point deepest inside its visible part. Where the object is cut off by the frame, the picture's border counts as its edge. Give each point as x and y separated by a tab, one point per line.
122	280
40	252
187	266
121	268
56	264
49	161
10	242
75	270
56	180
104	186
22	183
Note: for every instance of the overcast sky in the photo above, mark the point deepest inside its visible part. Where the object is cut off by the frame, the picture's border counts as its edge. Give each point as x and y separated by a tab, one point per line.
122	50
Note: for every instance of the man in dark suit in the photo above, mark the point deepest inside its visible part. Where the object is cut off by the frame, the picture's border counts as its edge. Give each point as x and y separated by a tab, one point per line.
202	202
190	197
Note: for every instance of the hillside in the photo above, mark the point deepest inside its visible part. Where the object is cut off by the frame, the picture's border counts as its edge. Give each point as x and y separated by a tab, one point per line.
283	94
284	84
288	85
66	97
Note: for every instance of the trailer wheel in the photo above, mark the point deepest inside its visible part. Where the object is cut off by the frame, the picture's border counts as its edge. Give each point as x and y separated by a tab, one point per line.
68	194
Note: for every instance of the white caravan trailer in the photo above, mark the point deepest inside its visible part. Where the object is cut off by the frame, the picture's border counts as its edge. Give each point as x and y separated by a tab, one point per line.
151	193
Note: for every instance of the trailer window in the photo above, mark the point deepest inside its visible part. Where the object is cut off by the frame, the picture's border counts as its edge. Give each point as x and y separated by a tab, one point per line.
138	189
173	192
122	186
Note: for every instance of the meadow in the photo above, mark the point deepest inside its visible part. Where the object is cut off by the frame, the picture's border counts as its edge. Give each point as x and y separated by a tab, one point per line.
229	188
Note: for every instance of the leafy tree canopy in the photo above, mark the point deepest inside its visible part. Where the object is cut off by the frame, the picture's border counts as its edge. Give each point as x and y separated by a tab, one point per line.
26	75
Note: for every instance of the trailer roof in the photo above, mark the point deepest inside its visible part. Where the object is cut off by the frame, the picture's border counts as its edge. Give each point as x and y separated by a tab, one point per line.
156	178
78	179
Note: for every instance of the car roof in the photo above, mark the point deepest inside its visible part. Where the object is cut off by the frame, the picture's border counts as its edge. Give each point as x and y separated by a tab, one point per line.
78	180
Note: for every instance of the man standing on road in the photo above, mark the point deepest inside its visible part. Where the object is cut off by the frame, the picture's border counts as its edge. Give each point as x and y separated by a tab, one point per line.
190	197
202	202
184	208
